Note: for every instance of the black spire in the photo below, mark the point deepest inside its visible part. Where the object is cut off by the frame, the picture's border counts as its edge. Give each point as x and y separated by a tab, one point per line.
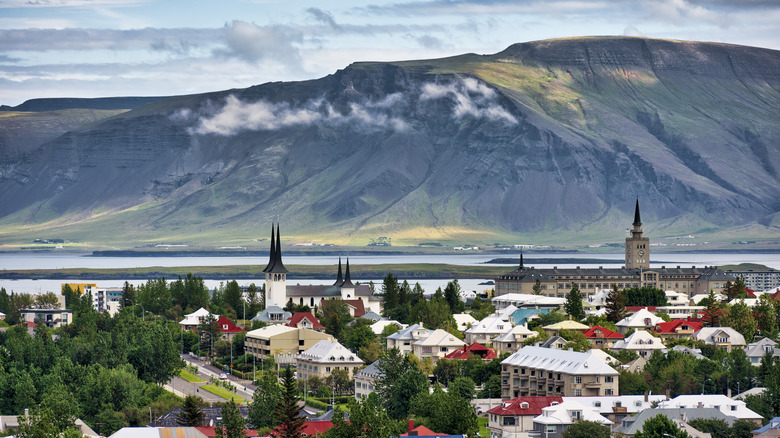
270	264
339	279
347	282
278	266
521	261
637	221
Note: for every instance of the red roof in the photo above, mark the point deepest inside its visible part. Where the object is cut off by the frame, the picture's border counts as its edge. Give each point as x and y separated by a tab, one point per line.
225	326
671	326
314	428
422	431
210	431
300	316
600	332
475	349
776	295
634	309
525	405
360	309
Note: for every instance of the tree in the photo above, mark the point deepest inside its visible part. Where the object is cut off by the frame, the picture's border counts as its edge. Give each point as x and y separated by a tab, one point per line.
287	411
452	295
715	310
190	414
537	289
444	412
398	382
645	296
586	429
63	407
616	305
264	400
359	335
233	297
462	387
765	315
573	305
390	294
232	423
252	301
660	426
367	419
39	424
446	371
740	318
209	333
335	317
47	301
434	314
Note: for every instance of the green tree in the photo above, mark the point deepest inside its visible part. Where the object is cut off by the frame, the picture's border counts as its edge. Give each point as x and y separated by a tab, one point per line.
190	414
40	424
367	419
445	413
434	314
452	295
586	429
232	423
645	296
462	387
252	301
359	335
399	381
264	400
741	372
446	370
491	388
573	305
287	411
537	289
233	297
390	294
660	426
63	407
740	318
765	316
715	310
616	305
209	333
335	317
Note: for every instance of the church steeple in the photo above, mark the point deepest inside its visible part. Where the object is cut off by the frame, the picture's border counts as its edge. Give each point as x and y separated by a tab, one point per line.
339	279
637	221
521	261
637	247
272	252
278	266
347	281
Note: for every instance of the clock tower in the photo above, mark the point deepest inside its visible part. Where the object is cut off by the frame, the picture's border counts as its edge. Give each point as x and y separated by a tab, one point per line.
637	247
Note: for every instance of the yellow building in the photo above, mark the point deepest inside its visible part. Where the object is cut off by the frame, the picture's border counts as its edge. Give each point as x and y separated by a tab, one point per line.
277	340
79	288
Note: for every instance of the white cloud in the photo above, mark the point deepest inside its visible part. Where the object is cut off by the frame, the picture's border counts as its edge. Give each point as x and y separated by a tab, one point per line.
254	43
472	98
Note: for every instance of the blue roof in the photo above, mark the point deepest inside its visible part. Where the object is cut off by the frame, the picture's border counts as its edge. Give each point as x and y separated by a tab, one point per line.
773	424
520	316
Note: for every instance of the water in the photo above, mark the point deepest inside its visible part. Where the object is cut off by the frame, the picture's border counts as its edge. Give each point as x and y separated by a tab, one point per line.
54	261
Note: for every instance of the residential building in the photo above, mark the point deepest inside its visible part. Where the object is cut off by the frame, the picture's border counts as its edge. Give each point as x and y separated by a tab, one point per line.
11	422
305	320
757	350
227	328
726	405
769	430
475	349
365	380
601	337
683	311
379	327
554	342
324	357
193	320
554	329
274	340
513	340
677	329
616	408
507	312
273	315
403	339
515	418
527	301
640	342
555	419
463	321
436	345
484	331
524	316
695	352
723	337
759	280
105	299
53	318
536	371
642	319
631	425
372	316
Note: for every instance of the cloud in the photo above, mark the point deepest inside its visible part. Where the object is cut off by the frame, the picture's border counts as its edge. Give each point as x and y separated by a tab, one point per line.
43	40
253	43
469	98
632	31
324	17
429	42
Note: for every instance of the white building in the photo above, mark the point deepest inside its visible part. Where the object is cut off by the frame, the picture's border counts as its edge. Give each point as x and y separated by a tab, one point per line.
404	339
513	340
527	301
484	331
557	418
640	342
365	381
105	299
464	321
723	337
436	345
325	357
642	319
194	319
728	406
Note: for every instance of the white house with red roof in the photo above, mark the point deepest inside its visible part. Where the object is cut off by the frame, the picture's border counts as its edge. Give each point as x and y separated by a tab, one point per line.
305	320
227	328
600	337
515	418
677	329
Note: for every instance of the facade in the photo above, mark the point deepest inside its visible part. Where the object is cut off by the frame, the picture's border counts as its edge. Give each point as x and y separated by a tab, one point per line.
513	340
279	339
723	337
759	280
601	337
537	371
636	273
305	320
273	315
365	381
527	301
632	425
555	419
436	345
324	357
403	339
106	299
484	331
677	329
515	418
757	350
640	342
53	318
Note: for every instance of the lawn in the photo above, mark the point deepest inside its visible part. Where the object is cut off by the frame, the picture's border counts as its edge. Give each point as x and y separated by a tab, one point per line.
222	392
483	430
188	376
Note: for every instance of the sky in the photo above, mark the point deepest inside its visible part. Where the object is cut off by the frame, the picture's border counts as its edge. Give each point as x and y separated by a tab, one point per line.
101	48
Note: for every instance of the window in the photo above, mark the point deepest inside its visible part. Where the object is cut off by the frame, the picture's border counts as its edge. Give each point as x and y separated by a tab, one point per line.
551	428
327	369
609	391
443	349
509	421
609	379
576	415
576	392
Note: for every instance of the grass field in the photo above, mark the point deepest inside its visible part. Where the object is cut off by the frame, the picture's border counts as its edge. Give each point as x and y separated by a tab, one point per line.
188	376
483	430
222	392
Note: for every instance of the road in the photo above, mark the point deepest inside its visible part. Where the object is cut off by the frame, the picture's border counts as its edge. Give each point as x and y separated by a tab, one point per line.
181	387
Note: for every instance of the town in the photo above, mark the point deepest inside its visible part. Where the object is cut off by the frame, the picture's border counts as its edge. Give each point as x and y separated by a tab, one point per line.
638	351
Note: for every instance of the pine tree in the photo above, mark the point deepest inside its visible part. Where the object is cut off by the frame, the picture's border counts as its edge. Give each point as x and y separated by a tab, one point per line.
264	400
190	414
452	295
616	305
573	305
287	410
232	423
390	293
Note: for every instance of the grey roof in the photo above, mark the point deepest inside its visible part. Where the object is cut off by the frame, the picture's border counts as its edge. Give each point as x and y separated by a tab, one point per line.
371	371
264	315
324	290
631	425
407	333
373	316
210	414
552	340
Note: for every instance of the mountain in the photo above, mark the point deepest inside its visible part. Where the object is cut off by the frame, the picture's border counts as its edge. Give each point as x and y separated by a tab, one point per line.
554	138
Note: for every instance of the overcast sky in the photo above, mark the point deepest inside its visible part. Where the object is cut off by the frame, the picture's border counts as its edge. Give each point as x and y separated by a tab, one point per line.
94	48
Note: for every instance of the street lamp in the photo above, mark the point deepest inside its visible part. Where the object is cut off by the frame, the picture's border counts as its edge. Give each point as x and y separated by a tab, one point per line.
702	384
547	428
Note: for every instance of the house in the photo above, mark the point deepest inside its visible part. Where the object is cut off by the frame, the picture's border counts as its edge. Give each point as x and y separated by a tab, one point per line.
475	349
276	340
273	315
514	418
379	327
554	342
193	320
640	342
695	352
463	321
757	350
617	407
53	318
484	331
523	316
506	313
769	430
325	357
513	340
642	319
726	405
723	337
555	419
424	431
527	301
105	299
227	328
11	422
631	425
305	320
677	329
372	316
365	380
436	345
403	339
601	337
536	371
210	416
554	329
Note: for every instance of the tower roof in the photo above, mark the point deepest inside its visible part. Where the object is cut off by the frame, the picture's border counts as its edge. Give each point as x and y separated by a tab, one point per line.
272	252
347	282
637	221
339	278
275	265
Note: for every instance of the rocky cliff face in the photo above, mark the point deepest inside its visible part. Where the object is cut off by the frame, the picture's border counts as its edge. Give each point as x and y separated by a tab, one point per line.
544	136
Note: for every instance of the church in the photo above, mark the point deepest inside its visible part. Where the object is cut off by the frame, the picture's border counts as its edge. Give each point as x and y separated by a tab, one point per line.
636	272
278	293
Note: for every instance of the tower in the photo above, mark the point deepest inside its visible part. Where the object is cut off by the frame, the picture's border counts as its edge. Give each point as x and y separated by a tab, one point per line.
347	287
637	247
275	273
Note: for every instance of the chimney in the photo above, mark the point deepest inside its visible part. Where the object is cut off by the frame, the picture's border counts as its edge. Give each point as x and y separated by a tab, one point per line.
411	424
668	394
647	396
728	393
27	413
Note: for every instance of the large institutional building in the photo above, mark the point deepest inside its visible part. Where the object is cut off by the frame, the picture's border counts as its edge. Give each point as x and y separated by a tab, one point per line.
637	272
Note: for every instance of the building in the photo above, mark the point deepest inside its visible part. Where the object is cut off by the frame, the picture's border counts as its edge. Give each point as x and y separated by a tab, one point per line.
379	327
632	425
723	337
537	371
273	315
276	340
278	293
227	328
555	419
757	350
554	329
325	357
365	381
527	301
640	342
636	273
403	339
305	320
464	321
53	318
436	345
642	319
105	299
484	331
769	430
601	337
475	349
759	280
726	405
677	329
195	319
515	418
513	340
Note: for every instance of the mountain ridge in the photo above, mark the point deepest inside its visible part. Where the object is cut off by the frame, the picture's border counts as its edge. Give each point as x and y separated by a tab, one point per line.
543	137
